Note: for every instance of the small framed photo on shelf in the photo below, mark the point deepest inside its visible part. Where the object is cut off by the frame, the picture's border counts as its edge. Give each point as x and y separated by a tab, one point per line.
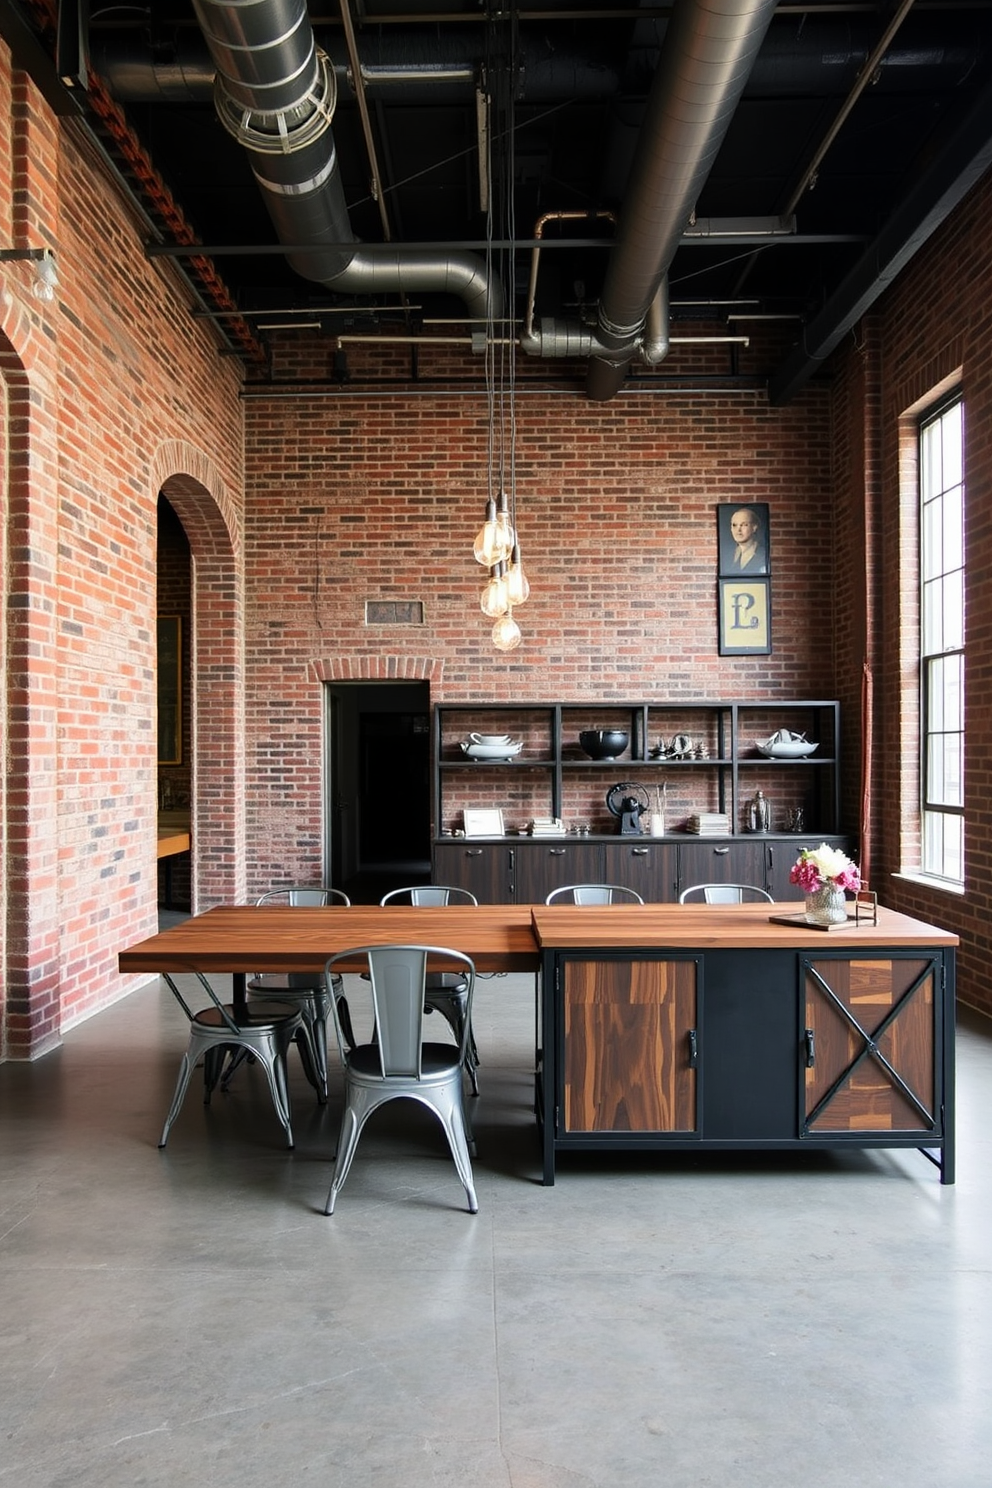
744	617
483	822
742	530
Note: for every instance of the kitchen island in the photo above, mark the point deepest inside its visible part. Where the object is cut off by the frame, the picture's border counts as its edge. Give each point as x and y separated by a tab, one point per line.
717	1027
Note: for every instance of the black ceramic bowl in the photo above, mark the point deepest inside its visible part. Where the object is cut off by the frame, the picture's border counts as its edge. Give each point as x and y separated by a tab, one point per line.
603	744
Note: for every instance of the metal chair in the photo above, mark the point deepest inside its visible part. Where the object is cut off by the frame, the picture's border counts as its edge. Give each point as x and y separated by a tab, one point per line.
398	1062
302	989
594	894
724	893
263	1031
444	991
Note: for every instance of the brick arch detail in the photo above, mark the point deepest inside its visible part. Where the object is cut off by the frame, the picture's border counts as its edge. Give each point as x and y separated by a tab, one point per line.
212	525
378	669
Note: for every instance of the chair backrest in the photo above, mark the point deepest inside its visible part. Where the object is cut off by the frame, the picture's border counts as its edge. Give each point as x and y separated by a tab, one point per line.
424	896
724	893
305	896
397	975
594	894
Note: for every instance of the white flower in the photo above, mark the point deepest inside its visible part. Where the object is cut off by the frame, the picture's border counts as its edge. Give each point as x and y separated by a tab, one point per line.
829	861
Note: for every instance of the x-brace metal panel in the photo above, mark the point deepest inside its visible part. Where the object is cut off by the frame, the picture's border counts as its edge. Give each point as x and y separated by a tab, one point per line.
871	1048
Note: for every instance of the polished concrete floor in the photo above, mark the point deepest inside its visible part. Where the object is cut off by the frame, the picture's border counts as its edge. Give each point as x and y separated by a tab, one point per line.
673	1322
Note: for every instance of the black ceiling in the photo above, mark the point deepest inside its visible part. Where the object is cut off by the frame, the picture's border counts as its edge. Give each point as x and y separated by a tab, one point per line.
914	139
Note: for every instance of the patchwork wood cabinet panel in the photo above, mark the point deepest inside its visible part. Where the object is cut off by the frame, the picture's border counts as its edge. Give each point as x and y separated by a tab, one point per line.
629	1046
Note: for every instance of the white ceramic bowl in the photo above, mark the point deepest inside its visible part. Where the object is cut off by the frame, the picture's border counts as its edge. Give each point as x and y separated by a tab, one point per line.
492	751
793	749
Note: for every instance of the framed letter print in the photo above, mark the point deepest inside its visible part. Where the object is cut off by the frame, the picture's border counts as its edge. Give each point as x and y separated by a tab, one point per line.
745	618
742	529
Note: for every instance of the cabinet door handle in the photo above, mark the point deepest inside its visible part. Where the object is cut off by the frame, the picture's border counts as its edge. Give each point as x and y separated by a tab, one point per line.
473	852
556	852
693	1049
810	1048
721	852
640	852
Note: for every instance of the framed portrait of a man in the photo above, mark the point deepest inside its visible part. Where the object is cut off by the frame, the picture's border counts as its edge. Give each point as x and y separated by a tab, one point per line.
742	530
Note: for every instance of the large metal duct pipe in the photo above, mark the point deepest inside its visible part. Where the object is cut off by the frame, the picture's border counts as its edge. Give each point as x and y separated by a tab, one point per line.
709	50
275	93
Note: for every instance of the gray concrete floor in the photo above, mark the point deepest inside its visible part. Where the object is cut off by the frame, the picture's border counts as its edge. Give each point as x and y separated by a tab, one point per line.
191	1315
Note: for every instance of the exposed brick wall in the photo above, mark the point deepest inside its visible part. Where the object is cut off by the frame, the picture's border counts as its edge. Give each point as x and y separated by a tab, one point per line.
934	321
364	495
96	385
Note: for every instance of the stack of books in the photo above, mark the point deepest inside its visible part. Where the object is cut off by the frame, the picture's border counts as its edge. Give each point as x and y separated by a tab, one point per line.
547	826
710	824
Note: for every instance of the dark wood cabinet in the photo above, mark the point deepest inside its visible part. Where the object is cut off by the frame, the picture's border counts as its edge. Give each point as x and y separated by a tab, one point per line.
484	868
649	867
540	867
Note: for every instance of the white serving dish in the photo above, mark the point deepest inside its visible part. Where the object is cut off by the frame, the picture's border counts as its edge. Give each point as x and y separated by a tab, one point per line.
784	745
489	739
505	751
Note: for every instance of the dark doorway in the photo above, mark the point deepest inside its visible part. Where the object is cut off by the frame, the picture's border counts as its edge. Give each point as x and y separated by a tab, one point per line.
379	787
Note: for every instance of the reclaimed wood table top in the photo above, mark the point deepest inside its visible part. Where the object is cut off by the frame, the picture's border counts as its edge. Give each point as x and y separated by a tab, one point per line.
250	938
687	927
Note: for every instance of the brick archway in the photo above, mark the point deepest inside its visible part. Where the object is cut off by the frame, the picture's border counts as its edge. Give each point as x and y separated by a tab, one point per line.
379	669
212	524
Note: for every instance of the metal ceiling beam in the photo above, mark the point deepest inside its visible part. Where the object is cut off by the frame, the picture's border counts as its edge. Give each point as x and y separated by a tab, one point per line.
946	180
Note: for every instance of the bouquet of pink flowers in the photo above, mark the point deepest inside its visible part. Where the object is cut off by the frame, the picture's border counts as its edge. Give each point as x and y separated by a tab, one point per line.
818	866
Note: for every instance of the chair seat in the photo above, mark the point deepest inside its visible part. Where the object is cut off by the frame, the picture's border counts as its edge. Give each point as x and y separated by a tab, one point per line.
437	1062
257	1015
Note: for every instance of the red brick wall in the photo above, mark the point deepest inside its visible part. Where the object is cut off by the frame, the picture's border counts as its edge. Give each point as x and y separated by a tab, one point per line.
109	390
934	321
361	495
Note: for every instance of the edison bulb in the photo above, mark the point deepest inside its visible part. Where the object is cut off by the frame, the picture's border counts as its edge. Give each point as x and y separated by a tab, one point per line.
495	599
506	633
505	536
517	587
490	543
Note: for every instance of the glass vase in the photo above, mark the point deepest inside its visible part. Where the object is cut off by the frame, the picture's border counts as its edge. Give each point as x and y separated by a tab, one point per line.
826	906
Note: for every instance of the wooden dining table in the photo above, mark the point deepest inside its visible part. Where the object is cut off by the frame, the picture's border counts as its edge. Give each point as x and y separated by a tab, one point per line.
247	939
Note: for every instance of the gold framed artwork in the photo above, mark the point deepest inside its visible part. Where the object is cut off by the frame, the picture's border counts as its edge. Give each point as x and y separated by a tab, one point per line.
170	690
745	622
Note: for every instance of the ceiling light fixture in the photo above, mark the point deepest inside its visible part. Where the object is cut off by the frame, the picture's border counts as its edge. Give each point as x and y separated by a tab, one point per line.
497	544
46	279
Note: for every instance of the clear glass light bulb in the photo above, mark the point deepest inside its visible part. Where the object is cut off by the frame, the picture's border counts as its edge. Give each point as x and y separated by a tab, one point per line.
487	549
505	537
494	600
517	587
506	633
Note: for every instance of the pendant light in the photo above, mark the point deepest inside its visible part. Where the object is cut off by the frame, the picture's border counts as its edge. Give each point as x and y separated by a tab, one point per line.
497	544
506	633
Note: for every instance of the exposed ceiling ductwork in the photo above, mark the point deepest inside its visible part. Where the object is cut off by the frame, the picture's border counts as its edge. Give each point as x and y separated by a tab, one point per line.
756	165
275	92
709	51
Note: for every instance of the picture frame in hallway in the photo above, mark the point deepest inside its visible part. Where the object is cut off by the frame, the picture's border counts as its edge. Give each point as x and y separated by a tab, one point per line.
170	690
743	539
744	618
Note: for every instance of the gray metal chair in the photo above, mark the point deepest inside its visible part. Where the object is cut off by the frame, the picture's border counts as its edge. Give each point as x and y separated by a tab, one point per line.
444	991
590	893
398	1062
724	893
302	989
263	1031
